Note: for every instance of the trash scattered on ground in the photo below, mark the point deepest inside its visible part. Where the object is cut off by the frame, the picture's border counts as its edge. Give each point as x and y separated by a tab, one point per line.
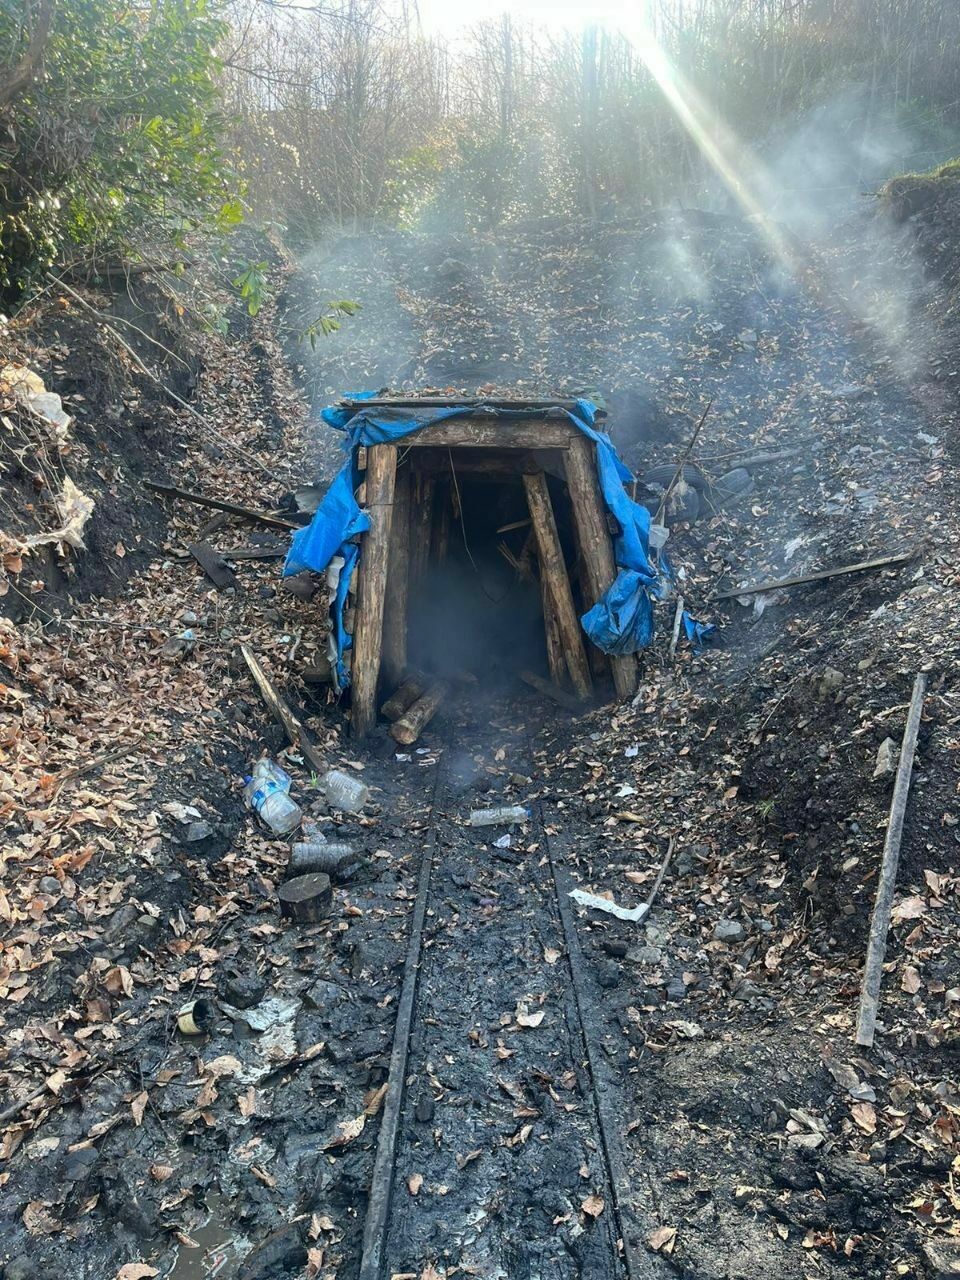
499	816
596	903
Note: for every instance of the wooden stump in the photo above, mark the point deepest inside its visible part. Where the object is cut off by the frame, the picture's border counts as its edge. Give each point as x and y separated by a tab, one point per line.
598	563
553	572
398	584
371	587
306	899
412	723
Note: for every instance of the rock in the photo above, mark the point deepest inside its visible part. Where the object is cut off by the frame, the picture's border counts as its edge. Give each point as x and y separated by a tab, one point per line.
608	974
728	931
268	1014
282	1252
888	757
425	1108
943	1257
79	1163
302	585
616	948
644	955
323	995
49	884
189	618
243	991
197	831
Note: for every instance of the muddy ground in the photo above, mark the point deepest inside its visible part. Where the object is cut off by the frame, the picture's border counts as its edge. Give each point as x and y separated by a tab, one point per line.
759	1138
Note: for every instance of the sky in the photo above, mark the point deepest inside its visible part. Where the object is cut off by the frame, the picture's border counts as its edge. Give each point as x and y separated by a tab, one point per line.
451	17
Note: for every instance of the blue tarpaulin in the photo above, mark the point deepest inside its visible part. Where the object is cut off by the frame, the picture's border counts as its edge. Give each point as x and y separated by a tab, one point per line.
620	622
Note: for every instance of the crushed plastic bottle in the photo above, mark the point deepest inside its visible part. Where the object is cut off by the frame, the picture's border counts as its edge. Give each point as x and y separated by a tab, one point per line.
497	817
344	792
331	856
267	793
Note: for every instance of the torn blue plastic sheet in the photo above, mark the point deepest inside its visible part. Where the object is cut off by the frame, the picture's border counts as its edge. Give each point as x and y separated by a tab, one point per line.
620	622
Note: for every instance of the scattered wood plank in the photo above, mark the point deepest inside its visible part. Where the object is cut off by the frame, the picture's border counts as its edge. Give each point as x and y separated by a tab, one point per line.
215	523
821	575
415	719
880	920
213	565
296	733
219	504
675	636
553	573
254	553
559	696
371	588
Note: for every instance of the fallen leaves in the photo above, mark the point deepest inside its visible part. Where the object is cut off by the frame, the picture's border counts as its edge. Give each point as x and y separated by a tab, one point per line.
347	1131
414	1183
663	1240
136	1271
592	1206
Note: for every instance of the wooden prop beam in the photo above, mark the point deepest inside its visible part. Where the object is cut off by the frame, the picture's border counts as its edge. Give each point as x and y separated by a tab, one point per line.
421	522
555	659
553	572
371	588
493	433
398	583
595	548
880	921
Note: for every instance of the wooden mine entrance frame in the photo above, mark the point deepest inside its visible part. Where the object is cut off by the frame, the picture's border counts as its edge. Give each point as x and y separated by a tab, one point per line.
400	507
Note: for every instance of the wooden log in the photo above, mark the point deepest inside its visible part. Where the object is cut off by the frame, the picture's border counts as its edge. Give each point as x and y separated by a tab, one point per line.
213	565
494	433
415	719
560	696
553	572
821	575
397	598
411	689
595	547
880	920
675	635
555	659
448	402
218	504
254	553
296	733
306	899
371	587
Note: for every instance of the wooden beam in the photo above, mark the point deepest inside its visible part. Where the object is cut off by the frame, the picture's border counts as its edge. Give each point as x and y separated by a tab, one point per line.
880	920
553	571
555	660
398	583
493	433
371	587
294	730
421	522
595	547
821	575
454	402
218	504
440	533
559	696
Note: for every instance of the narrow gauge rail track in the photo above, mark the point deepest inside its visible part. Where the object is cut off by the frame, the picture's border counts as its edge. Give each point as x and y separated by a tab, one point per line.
499	1148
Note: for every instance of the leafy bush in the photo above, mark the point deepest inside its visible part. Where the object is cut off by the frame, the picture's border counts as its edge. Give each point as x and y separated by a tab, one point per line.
114	141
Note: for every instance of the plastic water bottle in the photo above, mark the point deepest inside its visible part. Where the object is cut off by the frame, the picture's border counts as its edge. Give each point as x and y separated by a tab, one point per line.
267	793
496	817
344	792
331	856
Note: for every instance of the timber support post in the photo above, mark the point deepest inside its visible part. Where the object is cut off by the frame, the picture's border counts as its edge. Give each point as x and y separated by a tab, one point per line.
371	588
396	601
553	572
597	553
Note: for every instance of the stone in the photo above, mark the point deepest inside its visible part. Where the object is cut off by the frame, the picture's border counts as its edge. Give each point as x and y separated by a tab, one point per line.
943	1256
244	991
79	1163
888	756
645	955
281	1252
728	931
197	831
189	618
323	995
49	884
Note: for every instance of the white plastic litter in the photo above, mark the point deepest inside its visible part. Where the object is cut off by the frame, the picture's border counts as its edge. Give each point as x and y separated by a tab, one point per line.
585	899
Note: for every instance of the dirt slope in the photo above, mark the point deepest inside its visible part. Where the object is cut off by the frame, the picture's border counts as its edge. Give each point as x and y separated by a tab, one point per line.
756	1132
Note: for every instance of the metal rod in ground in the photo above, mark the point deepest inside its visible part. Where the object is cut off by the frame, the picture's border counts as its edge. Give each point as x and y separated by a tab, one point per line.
381	1185
880	920
677	619
638	1263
